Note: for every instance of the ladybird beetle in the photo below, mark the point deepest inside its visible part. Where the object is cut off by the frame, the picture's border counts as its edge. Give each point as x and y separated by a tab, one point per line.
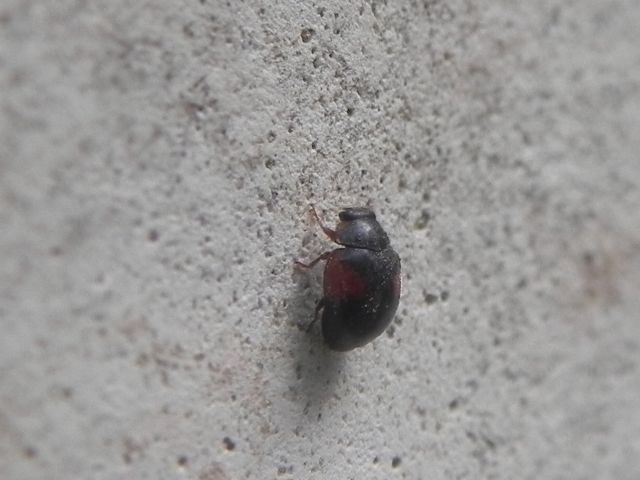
361	281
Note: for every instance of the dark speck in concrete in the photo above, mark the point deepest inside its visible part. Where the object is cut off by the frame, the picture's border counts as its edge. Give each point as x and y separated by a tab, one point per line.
228	443
307	34
430	298
30	452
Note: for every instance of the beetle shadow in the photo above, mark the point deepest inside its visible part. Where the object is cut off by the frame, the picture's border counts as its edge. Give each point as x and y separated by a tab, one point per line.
317	368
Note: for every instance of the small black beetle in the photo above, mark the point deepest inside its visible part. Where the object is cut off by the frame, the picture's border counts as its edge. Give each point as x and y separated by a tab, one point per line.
361	281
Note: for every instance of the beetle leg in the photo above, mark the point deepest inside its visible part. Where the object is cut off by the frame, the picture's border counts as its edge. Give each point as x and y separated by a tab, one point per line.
307	266
319	307
327	231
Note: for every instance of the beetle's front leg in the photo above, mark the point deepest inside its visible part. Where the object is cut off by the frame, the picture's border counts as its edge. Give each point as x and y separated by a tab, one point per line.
327	231
307	266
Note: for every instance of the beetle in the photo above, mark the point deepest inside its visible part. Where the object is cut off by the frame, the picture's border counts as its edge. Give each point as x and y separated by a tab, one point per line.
361	280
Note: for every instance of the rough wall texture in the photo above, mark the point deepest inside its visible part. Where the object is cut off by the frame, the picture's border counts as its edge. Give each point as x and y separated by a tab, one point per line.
157	159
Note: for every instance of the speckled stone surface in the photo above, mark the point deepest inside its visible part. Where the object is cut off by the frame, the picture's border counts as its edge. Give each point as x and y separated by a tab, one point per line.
157	159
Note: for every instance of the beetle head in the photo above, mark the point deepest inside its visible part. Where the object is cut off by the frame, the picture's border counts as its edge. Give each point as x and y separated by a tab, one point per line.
359	228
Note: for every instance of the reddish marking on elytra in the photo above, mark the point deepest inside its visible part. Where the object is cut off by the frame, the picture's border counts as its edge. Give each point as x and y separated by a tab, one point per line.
397	285
341	281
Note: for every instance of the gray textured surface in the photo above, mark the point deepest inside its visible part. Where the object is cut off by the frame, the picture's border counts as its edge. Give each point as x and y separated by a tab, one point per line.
156	162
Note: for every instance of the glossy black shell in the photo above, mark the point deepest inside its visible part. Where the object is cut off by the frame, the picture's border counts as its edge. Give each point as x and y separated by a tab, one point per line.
361	282
352	321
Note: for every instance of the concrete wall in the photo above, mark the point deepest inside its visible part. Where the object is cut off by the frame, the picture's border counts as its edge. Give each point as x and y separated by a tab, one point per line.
157	159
